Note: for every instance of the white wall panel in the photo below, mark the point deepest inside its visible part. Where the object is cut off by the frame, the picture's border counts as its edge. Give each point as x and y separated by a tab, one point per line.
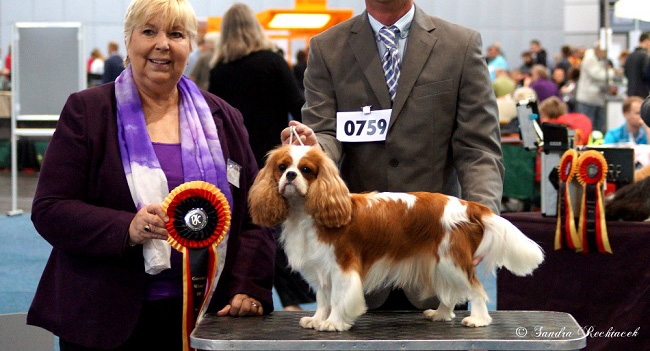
581	18
15	11
108	11
48	10
78	11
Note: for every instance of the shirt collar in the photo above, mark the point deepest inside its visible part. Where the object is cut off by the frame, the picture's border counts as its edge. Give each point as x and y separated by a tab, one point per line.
403	24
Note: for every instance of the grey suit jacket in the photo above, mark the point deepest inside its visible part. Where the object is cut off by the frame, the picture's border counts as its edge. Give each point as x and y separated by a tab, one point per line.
444	131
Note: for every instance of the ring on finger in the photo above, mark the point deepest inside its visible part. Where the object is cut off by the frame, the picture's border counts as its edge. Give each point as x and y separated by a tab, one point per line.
147	228
254	304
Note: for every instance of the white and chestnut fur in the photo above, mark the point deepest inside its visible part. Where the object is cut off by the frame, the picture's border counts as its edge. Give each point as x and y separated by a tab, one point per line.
346	244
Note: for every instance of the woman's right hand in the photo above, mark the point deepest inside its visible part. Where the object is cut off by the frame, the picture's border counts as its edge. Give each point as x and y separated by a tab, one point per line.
306	134
148	223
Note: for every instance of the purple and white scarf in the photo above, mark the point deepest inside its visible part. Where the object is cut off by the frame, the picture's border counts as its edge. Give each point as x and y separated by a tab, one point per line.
201	153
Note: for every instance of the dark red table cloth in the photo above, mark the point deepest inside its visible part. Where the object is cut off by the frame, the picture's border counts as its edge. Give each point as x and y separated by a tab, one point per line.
606	293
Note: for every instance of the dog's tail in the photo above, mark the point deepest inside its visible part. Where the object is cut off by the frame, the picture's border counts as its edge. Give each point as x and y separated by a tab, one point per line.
504	245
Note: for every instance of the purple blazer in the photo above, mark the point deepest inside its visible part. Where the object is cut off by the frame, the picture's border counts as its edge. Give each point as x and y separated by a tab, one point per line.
93	284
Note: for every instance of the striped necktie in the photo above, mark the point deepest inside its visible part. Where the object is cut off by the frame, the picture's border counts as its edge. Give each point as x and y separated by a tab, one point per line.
391	61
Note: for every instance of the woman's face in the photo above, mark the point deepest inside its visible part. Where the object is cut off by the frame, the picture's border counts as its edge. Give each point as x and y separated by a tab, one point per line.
158	54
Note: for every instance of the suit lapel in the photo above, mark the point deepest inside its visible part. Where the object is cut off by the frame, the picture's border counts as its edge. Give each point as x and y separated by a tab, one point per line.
420	44
364	47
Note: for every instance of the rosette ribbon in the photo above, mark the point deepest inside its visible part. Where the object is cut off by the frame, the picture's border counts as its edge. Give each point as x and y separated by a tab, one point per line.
566	234
199	219
592	173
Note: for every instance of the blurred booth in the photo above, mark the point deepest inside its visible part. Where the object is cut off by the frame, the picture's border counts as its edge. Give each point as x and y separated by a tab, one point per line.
291	29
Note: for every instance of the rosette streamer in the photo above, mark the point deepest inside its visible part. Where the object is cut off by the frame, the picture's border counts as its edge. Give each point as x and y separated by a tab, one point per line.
566	234
592	174
199	219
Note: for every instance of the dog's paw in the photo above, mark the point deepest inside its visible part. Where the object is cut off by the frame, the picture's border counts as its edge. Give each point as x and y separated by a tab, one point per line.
329	325
436	315
310	322
476	321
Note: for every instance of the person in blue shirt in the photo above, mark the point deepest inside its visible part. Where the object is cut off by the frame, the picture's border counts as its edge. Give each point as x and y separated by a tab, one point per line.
495	60
632	130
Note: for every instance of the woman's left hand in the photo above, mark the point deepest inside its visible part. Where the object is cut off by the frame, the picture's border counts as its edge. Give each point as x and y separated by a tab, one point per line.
242	305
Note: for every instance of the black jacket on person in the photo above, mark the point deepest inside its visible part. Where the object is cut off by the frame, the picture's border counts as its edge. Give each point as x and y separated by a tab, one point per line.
262	86
113	67
635	68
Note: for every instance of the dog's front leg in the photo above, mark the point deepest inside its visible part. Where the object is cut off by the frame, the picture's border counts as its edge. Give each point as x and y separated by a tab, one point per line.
347	301
323	307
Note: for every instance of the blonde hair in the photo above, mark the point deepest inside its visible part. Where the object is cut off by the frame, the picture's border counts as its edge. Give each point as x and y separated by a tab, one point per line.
241	34
173	12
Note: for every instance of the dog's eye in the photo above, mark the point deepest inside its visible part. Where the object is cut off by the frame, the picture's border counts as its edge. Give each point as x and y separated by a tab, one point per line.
306	170
282	167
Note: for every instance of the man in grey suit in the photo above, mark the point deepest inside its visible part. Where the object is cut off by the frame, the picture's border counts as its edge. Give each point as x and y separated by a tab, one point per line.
443	132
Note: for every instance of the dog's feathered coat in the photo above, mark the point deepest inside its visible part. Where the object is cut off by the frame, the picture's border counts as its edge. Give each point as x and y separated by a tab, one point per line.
346	244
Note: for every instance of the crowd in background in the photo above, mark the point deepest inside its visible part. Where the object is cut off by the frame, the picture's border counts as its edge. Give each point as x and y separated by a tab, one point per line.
572	88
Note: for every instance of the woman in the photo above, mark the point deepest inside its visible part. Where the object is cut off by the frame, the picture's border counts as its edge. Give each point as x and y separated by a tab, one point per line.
95	68
258	82
117	151
254	79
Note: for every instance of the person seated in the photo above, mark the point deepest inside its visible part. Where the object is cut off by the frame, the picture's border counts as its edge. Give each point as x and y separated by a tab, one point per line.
503	88
632	130
553	110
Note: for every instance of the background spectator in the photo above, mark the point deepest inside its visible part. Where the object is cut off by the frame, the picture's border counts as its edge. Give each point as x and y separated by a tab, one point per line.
564	63
249	75
568	90
7	69
540	82
553	110
632	130
299	68
538	53
635	68
95	68
592	86
528	62
559	77
495	60
200	73
114	65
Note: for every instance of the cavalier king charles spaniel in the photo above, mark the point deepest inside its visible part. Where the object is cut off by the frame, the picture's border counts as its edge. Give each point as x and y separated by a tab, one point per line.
346	244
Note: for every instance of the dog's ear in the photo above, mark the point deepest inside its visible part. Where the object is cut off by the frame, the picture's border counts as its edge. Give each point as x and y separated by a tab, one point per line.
328	199
267	207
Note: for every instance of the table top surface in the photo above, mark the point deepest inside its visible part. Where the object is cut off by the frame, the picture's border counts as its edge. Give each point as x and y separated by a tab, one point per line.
391	330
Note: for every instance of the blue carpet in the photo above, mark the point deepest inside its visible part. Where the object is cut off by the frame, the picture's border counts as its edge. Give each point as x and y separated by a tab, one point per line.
23	254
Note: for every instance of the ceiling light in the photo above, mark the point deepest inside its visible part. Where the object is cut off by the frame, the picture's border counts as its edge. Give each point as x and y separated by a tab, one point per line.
299	20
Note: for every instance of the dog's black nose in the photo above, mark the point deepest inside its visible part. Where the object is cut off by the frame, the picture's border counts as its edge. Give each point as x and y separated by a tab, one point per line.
291	175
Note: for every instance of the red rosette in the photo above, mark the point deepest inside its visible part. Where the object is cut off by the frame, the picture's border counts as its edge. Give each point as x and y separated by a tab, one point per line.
592	168
199	215
568	165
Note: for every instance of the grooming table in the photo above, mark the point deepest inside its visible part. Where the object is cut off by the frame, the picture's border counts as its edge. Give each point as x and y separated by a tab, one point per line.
392	330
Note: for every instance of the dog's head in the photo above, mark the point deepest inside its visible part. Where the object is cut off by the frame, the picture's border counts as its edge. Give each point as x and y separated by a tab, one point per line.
299	175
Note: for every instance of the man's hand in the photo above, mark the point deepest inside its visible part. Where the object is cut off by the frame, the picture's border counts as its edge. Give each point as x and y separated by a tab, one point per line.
306	135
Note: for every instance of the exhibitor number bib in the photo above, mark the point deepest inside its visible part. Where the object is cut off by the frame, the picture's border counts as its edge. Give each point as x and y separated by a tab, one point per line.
362	126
